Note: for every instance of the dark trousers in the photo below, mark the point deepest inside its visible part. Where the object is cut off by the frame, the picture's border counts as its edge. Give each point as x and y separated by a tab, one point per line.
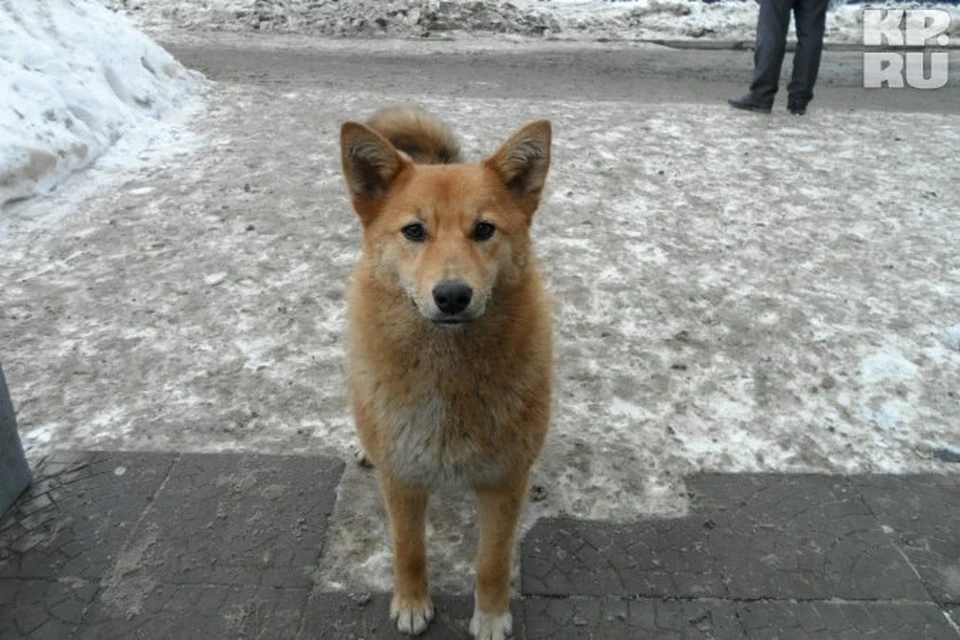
772	25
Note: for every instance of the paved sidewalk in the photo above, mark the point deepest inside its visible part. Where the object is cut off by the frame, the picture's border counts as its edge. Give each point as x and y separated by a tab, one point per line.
136	545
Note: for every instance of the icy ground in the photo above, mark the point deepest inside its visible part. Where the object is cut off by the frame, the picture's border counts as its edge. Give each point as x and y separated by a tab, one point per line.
74	79
734	293
724	20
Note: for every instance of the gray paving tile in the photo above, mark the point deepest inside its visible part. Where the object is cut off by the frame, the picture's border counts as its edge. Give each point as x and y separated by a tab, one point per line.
75	517
195	612
670	558
343	616
800	536
747	537
922	514
227	548
42	609
578	618
845	621
237	520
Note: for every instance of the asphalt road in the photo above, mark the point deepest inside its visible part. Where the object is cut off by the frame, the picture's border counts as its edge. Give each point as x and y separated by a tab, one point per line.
644	74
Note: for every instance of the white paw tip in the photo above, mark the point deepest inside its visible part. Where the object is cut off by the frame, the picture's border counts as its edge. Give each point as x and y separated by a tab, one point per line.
491	626
411	618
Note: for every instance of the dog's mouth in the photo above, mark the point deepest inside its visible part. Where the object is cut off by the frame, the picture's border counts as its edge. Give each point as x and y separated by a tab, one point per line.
452	322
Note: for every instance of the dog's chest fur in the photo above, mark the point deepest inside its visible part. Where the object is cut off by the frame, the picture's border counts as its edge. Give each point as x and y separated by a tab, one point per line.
434	439
440	422
428	441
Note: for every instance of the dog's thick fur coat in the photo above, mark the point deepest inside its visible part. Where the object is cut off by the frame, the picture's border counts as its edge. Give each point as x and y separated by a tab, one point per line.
449	339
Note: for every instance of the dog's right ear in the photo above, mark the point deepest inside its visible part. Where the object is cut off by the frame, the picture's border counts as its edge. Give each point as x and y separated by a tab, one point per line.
370	163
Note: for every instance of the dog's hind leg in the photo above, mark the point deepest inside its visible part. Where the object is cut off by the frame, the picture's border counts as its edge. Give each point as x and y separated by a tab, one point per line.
411	607
499	510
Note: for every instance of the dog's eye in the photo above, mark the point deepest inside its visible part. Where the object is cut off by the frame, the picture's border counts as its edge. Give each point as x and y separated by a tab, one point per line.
414	232
483	231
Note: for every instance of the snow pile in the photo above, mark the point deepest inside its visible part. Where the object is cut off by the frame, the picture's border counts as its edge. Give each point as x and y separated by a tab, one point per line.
74	78
723	20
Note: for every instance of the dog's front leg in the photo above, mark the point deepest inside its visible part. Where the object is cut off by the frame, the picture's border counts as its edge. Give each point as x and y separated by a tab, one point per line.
411	607
499	509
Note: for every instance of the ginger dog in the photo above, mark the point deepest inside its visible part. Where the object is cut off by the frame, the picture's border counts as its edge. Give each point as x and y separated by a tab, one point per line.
449	340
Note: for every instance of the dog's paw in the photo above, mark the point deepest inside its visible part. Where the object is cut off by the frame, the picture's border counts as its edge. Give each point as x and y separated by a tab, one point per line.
411	617
491	626
363	461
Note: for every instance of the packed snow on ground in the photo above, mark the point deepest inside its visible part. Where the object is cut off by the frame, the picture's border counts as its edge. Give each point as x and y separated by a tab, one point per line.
724	20
734	294
74	79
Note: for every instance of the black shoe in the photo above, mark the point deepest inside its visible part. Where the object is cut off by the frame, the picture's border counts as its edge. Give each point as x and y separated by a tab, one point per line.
749	103
796	107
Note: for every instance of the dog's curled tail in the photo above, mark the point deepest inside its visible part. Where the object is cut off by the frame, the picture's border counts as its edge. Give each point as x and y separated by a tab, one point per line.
423	137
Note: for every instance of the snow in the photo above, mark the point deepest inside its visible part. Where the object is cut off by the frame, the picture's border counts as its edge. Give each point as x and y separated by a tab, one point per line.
952	334
726	20
74	79
886	366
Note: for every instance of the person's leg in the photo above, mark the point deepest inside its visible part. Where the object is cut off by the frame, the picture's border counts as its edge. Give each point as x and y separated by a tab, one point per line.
773	22
811	17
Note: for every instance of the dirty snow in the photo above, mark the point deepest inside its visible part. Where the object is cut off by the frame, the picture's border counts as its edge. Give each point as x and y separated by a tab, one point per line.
734	294
74	79
727	20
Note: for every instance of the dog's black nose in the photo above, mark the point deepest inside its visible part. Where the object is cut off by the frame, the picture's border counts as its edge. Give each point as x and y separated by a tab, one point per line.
452	296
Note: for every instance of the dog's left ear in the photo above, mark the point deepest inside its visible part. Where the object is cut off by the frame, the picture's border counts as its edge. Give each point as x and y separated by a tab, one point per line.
522	162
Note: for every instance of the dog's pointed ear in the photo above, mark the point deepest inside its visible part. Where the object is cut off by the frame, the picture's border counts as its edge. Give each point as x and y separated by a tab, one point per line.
522	162
370	162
